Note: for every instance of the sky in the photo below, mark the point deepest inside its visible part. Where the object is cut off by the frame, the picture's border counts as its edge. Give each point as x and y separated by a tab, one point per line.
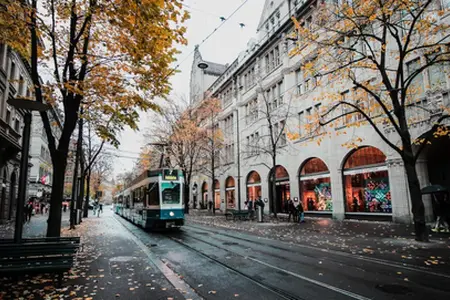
222	47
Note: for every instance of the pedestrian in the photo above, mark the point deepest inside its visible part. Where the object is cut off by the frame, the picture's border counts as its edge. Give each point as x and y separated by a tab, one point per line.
250	209
210	204
300	213
29	210
100	209
441	211
42	207
291	210
47	208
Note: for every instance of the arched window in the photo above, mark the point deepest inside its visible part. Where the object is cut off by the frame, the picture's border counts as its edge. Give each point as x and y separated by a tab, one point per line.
253	186
366	182
217	194
204	202
230	192
315	187
282	190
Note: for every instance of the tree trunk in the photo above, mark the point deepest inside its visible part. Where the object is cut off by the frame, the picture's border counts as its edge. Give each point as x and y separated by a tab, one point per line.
418	208
186	192
88	191
274	185
54	219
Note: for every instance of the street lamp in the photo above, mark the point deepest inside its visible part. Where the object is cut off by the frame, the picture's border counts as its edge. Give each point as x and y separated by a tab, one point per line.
27	107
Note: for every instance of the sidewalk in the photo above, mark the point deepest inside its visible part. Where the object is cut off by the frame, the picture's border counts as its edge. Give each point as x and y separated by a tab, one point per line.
382	240
111	265
37	227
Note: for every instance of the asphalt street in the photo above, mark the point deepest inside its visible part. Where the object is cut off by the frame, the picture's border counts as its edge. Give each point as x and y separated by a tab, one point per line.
225	264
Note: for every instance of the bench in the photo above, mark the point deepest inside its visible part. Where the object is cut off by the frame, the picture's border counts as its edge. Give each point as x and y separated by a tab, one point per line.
235	214
40	255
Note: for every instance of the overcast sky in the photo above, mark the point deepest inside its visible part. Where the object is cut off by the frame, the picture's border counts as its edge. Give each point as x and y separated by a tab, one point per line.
222	47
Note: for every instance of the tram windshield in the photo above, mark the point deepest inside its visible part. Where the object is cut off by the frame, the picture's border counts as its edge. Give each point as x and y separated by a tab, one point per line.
171	193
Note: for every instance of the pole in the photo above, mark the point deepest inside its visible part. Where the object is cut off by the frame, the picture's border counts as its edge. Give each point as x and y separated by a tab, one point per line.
81	182
23	178
213	154
74	188
238	161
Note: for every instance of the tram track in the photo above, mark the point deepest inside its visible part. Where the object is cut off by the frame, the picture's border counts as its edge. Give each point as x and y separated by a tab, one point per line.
285	294
279	292
389	263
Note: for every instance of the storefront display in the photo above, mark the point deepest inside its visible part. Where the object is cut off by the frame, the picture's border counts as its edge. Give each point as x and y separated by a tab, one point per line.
230	193
315	188
253	186
217	194
366	182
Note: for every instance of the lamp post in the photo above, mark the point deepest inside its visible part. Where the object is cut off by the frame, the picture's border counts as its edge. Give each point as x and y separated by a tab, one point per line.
27	107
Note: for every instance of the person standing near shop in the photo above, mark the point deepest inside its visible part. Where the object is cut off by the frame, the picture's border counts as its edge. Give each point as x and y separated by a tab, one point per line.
300	213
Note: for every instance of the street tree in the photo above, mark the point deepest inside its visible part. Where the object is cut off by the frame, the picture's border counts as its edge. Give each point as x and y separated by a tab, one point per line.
269	113
113	55
179	128
212	144
379	50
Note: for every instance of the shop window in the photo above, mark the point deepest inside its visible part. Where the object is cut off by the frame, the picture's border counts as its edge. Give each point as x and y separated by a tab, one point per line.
366	182
253	186
217	194
315	186
230	192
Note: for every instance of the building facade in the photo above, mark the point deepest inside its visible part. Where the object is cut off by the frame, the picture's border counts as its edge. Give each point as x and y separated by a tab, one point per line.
329	179
15	81
41	173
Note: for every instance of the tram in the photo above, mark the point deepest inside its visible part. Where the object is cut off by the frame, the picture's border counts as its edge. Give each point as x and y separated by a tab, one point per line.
153	200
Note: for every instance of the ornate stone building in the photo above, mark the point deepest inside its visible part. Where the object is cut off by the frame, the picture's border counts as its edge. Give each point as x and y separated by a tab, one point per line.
329	179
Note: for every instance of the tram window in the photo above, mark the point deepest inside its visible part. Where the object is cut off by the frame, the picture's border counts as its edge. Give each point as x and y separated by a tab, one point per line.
153	193
171	193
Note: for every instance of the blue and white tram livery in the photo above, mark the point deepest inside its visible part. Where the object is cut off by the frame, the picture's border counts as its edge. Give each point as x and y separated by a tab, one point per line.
153	200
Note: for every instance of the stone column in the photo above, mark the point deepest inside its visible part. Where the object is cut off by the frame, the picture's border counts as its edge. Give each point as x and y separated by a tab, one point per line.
422	173
337	194
398	184
265	195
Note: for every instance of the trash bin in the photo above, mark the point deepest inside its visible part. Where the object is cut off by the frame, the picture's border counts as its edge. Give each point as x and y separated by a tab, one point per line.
260	213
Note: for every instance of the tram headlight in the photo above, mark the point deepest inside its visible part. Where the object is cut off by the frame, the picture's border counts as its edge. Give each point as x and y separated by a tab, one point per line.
171	214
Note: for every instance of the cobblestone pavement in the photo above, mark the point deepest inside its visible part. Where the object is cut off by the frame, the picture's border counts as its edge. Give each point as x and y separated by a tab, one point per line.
383	240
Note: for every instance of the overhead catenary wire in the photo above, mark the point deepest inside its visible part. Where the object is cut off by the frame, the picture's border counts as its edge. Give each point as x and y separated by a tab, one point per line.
206	38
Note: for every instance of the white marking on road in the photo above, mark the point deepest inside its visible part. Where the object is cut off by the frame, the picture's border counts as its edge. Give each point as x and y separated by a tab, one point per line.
313	281
171	276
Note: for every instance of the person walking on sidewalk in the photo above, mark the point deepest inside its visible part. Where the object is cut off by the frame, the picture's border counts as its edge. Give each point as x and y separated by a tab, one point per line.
100	209
300	213
441	210
291	210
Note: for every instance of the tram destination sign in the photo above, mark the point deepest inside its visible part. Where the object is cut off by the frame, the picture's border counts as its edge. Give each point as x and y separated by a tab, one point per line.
170	174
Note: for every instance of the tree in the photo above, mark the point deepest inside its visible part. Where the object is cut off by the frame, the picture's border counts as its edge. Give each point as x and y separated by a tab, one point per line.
370	46
101	171
273	111
93	154
179	126
112	55
213	142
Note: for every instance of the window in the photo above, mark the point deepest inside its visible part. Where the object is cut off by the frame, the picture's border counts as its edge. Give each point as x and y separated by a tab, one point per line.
416	87
308	121
8	116
277	59
301	121
12	71
282	133
21	90
346	118
2	56
300	87
435	72
17	125
171	192
153	193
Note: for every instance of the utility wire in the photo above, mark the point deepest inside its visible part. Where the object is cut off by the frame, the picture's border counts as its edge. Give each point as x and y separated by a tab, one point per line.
206	38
